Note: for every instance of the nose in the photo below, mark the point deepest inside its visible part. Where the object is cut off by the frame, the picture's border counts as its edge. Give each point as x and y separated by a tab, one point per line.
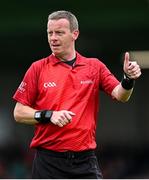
53	36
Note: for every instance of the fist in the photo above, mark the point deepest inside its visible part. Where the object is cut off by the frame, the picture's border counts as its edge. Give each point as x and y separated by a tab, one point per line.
62	118
131	68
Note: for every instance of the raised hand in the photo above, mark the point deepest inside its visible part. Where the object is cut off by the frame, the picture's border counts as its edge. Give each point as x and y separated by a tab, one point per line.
131	68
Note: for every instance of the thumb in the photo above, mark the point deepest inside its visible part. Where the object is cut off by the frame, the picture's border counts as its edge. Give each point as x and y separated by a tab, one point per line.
71	113
126	60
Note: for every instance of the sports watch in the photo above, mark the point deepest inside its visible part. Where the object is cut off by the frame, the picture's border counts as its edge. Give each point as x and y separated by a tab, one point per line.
43	116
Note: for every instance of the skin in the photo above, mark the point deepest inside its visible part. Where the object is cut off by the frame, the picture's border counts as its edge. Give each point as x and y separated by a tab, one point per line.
62	43
132	69
61	39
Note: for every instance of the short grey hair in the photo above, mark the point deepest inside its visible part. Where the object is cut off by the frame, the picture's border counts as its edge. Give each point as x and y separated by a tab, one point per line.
56	15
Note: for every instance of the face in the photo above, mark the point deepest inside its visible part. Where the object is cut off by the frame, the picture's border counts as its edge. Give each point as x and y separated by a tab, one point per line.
60	38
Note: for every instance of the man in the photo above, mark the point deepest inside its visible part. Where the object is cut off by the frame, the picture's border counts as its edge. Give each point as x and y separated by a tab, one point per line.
59	96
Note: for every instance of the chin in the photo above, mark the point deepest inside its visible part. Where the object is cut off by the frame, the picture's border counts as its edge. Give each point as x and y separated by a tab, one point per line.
57	54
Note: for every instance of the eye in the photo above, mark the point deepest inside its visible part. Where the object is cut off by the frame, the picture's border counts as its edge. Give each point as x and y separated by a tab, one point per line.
60	33
50	33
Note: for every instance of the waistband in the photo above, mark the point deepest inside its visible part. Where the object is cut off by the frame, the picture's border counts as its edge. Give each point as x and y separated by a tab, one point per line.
67	154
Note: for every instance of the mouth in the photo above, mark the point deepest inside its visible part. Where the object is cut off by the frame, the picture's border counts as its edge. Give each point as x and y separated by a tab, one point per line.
55	47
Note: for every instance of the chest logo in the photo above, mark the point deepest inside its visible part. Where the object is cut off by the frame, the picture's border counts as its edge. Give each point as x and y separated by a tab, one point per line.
86	82
49	84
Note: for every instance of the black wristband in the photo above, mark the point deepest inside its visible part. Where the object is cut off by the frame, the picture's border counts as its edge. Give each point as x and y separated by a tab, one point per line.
43	116
127	83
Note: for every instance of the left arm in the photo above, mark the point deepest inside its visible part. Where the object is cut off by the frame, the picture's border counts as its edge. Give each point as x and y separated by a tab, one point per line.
121	94
123	91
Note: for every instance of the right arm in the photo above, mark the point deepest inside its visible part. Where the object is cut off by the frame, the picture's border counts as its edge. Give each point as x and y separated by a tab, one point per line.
25	114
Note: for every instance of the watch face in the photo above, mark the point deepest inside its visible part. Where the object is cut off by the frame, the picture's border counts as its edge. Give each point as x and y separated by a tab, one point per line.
38	115
48	114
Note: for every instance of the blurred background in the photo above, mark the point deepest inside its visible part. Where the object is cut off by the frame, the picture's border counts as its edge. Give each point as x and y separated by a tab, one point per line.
107	30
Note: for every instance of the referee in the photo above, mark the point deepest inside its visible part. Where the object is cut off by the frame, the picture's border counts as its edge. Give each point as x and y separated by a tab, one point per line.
59	97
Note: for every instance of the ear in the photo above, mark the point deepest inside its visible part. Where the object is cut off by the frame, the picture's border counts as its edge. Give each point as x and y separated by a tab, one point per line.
75	34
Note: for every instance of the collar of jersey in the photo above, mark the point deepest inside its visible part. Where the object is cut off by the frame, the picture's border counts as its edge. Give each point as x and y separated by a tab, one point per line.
79	61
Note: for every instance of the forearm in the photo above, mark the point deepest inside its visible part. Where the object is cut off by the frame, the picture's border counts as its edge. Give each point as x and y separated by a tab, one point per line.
24	114
123	91
121	94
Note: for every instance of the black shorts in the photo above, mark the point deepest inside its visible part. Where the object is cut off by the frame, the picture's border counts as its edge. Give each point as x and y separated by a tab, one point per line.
65	165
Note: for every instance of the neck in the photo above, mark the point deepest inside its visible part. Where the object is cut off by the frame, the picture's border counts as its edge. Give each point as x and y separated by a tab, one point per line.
66	57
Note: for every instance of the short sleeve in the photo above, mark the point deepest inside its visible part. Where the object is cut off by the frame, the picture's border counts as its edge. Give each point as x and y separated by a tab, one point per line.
107	80
27	91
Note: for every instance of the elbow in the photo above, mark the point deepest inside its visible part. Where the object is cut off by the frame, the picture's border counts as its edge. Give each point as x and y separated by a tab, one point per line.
17	116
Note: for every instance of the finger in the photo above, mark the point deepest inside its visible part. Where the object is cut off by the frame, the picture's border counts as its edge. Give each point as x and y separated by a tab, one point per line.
71	113
135	74
133	69
58	123
66	120
63	122
132	65
68	115
126	60
63	119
